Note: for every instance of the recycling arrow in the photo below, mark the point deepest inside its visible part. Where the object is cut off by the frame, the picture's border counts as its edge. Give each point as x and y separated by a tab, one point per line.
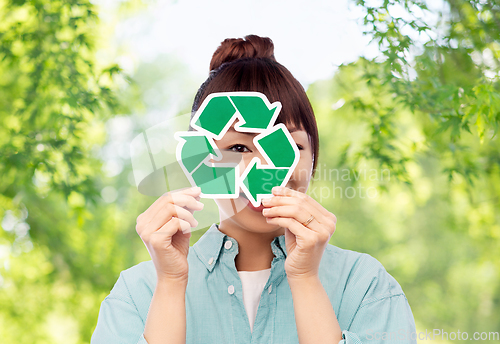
194	153
255	111
219	110
215	115
259	181
197	150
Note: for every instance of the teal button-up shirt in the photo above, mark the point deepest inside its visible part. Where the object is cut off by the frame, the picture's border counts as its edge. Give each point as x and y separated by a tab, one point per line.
370	305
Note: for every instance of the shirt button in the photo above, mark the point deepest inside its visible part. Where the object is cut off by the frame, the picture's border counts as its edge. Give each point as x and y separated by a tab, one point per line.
228	245
230	289
270	288
211	260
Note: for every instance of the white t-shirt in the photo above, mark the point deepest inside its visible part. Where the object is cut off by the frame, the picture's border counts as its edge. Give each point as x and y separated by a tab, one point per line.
253	283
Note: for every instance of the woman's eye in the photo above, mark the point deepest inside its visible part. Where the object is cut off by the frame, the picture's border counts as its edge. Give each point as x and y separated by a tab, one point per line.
239	148
300	147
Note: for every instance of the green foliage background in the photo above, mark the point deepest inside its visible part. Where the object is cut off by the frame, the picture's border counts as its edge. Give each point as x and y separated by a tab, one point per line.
409	162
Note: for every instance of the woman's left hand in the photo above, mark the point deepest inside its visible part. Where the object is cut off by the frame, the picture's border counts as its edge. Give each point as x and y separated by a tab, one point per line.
305	245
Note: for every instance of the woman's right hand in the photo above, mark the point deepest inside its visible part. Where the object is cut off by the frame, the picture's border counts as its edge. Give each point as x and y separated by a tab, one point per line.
165	229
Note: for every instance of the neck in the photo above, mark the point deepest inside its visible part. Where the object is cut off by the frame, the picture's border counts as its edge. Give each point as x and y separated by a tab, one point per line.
254	248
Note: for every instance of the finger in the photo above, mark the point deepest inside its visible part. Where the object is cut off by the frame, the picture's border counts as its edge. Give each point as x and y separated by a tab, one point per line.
164	234
298	213
287	192
187	201
163	209
167	196
190	209
167	214
174	225
309	235
295	227
190	206
303	208
180	225
283	195
193	191
290	213
180	199
170	197
186	215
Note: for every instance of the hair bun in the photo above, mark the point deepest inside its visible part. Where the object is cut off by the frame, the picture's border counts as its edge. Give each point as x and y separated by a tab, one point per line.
251	46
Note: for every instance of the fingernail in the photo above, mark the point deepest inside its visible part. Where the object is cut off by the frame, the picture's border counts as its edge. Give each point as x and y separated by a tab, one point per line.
196	188
195	223
277	189
200	205
265	211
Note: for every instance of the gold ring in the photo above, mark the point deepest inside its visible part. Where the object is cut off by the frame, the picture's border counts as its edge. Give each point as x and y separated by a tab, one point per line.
308	221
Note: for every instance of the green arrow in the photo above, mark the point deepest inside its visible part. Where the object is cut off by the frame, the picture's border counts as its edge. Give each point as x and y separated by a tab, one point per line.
254	111
262	180
278	148
194	150
256	114
216	115
215	180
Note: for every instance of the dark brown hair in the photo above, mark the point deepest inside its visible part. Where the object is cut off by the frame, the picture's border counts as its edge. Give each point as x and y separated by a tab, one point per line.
249	65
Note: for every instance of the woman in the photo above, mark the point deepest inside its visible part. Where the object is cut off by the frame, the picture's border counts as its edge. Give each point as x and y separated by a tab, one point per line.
263	275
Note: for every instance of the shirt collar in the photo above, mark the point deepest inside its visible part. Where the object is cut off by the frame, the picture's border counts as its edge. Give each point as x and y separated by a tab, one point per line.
210	244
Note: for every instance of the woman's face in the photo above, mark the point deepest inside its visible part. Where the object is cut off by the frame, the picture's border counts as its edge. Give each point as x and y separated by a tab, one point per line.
238	147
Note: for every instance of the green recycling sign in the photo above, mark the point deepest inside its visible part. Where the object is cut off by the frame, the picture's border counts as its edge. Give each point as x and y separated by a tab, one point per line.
197	149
